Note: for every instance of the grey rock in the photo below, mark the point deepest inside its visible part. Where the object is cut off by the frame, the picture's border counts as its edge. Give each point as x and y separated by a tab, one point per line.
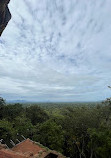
5	14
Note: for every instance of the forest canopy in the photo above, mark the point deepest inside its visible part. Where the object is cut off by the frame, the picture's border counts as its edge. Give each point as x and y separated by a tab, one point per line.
74	129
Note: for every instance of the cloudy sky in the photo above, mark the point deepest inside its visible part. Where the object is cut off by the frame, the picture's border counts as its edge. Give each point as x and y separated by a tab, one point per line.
56	50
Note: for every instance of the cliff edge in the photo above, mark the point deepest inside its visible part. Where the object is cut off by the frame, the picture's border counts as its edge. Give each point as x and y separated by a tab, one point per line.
5	15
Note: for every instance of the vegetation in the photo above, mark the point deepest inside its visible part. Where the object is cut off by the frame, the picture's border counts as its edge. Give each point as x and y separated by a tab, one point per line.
78	130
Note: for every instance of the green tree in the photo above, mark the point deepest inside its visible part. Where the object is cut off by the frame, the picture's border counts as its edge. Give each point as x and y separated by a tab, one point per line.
11	111
100	142
7	131
76	122
36	114
51	135
2	101
24	127
2	104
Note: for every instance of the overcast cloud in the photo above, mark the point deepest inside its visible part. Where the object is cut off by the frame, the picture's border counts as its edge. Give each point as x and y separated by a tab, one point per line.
56	50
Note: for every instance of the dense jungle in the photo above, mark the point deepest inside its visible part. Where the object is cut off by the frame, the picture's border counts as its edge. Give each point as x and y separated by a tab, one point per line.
78	130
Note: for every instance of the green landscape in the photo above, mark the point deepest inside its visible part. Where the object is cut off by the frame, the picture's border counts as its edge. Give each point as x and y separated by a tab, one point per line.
78	130
55	66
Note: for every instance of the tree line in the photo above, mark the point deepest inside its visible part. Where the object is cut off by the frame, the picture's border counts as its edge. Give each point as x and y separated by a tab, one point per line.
77	131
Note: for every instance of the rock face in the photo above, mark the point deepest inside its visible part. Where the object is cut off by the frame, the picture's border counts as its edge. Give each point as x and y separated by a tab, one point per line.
29	149
5	14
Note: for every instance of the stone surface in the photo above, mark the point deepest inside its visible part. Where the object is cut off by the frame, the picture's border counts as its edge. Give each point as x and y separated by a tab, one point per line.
5	14
29	149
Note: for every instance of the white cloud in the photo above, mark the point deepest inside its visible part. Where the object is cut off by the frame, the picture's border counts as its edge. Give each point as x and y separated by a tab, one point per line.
56	50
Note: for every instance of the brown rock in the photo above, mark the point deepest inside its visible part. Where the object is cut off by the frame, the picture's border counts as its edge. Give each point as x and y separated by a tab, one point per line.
3	146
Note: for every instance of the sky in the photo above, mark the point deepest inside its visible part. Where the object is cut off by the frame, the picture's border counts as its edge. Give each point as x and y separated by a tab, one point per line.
56	51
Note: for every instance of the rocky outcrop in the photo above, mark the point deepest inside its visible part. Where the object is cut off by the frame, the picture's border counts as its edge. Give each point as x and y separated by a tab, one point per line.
29	149
5	14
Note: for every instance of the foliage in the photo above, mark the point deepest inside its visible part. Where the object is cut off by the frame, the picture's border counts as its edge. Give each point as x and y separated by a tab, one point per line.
23	127
80	130
36	114
2	103
51	135
6	131
12	110
100	143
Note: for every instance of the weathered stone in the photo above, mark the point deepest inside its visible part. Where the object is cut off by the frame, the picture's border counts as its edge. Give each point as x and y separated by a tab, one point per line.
5	14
